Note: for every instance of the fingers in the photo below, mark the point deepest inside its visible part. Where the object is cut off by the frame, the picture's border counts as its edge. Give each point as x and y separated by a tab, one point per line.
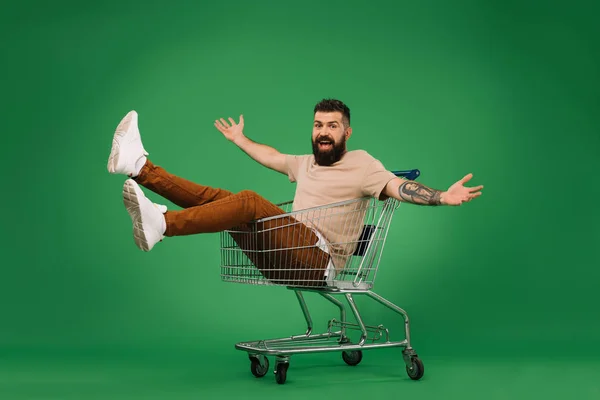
475	189
219	126
466	178
473	195
222	125
459	200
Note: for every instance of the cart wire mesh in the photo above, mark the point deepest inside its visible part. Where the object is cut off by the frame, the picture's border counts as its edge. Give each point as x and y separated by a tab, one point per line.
337	246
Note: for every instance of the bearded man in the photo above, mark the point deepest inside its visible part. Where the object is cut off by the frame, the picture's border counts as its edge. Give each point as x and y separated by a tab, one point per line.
331	174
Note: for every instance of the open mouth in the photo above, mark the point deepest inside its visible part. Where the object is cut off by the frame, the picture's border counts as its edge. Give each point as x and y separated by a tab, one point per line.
325	144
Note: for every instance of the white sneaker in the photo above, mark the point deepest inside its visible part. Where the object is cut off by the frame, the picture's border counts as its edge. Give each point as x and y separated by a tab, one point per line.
127	155
149	223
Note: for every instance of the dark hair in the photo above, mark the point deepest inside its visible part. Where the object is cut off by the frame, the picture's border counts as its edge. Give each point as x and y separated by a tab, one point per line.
333	105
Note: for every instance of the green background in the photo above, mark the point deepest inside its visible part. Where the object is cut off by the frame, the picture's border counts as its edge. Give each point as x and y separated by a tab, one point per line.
501	291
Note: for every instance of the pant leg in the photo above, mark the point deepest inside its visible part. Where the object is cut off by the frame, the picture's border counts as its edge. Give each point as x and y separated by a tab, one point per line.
179	191
282	248
218	215
287	252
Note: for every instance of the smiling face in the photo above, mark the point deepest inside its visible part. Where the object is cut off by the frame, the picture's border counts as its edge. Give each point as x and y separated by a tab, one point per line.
329	137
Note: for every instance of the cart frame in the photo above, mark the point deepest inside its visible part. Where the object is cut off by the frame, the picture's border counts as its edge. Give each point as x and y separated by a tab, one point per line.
335	338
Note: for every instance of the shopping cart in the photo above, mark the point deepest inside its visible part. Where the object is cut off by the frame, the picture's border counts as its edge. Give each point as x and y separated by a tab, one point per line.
281	250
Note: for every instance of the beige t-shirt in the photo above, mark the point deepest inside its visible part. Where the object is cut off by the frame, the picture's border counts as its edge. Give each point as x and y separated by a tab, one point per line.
356	175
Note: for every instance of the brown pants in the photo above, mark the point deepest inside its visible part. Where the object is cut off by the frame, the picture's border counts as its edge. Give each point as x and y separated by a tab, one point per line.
210	210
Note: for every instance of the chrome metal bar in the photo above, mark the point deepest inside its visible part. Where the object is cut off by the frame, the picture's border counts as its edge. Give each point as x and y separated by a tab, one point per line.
363	337
305	312
299	343
312	209
376	330
395	308
386	227
358	279
311	337
321	349
298	338
340	306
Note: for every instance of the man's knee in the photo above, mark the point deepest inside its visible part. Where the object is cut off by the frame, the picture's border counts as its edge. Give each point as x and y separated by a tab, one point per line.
261	206
249	194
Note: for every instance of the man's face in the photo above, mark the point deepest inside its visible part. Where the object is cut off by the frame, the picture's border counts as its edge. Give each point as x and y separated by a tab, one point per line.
329	137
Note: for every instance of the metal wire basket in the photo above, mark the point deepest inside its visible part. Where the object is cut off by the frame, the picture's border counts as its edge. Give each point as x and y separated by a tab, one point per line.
347	242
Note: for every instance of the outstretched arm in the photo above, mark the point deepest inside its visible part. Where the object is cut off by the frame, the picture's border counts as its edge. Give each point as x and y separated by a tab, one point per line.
417	193
261	153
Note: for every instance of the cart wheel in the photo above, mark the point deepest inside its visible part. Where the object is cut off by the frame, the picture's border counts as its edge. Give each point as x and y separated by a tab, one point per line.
259	370
281	373
416	369
352	358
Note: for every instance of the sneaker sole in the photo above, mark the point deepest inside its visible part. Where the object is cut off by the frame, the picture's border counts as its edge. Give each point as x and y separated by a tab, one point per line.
121	131
131	196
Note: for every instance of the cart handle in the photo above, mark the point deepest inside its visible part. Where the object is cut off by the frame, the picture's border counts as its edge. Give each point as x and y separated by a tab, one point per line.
410	174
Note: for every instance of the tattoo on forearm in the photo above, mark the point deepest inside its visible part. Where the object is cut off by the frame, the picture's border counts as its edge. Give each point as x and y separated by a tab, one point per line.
413	192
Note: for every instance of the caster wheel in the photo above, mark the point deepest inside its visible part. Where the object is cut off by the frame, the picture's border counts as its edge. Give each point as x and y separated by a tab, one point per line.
416	369
256	368
352	358
281	373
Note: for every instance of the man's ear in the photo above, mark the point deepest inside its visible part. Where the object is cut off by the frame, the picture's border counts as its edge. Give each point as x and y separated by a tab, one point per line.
348	133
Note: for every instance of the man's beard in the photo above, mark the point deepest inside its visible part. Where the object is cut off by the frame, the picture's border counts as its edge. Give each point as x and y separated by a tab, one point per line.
328	157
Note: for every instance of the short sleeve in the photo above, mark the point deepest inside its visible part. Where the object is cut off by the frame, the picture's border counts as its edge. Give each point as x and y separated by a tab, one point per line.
375	179
293	166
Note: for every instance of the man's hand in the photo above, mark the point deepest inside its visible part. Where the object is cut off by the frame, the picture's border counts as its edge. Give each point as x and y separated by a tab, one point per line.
233	133
263	154
458	193
417	193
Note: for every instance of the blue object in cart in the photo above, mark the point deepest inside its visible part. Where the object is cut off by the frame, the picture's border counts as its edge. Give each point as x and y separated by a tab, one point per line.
410	174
